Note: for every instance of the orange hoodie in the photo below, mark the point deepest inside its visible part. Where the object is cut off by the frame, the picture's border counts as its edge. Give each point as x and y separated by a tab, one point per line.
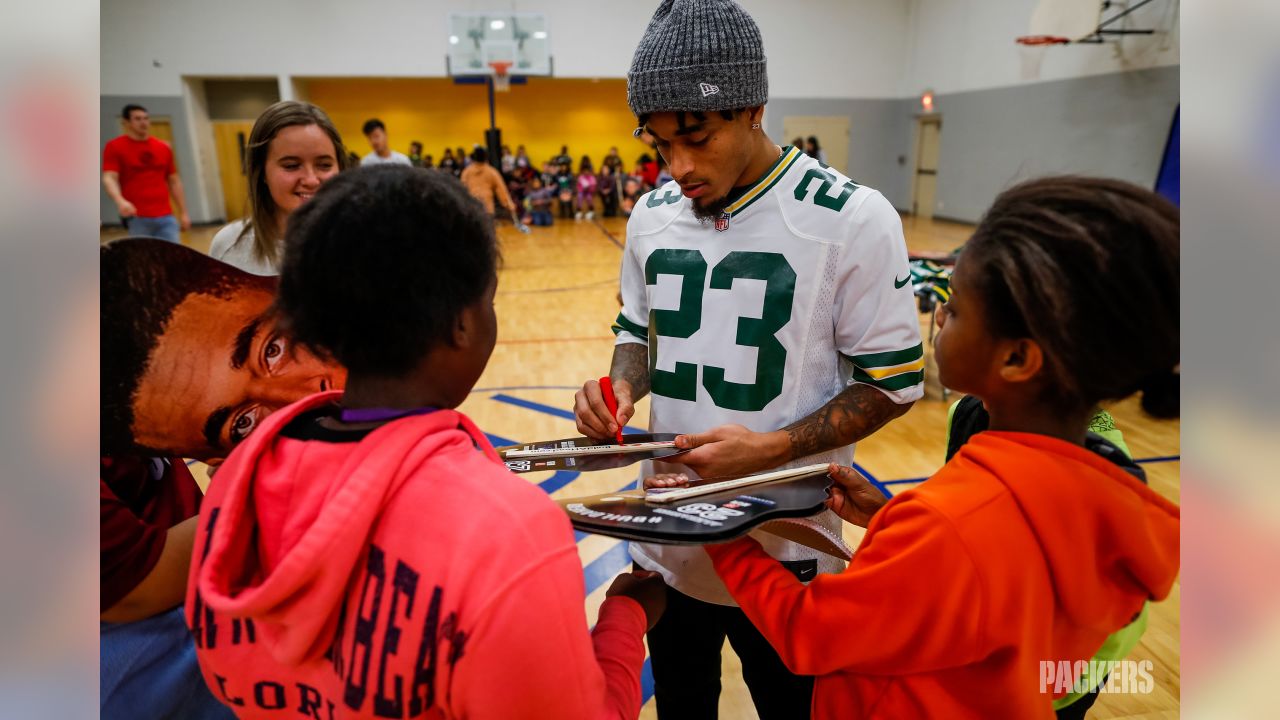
398	572
1022	549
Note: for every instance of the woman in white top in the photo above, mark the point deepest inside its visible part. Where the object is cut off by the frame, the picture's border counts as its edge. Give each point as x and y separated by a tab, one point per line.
292	149
815	151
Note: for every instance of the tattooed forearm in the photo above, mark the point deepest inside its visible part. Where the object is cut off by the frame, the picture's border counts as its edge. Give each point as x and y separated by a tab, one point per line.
850	416
631	363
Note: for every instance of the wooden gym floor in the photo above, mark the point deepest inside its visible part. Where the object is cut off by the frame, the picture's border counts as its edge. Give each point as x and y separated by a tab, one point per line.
556	301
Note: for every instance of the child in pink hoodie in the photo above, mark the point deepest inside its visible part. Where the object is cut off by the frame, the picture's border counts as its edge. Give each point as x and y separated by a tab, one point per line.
364	553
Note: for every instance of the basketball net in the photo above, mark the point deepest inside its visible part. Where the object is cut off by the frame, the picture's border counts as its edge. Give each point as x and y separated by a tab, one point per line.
501	80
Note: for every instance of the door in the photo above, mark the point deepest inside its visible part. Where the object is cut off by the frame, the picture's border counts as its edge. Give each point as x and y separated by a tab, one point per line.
832	132
162	128
924	196
230	138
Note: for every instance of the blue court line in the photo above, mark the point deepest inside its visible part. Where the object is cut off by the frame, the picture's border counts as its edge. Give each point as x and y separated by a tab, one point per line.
498	440
558	480
1164	458
547	409
603	568
646	682
879	485
527	387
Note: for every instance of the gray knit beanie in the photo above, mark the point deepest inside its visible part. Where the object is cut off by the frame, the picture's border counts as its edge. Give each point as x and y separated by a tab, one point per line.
698	55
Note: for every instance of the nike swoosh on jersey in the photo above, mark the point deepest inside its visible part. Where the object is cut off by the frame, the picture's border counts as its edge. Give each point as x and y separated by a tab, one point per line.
897	284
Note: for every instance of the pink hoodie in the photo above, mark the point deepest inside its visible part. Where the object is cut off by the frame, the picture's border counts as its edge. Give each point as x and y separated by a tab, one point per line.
401	572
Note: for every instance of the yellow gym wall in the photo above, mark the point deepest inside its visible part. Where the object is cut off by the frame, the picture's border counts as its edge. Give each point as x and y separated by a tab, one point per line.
589	116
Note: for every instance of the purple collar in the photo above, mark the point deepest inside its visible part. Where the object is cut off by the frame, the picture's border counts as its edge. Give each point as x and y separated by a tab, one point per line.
366	415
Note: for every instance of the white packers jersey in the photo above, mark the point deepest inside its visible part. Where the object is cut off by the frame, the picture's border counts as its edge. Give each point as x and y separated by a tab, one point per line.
762	317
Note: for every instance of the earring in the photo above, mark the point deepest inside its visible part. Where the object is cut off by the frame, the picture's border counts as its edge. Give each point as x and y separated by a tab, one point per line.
755	126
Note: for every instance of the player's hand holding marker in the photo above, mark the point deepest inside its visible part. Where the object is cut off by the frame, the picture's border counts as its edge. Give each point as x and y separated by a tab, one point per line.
592	414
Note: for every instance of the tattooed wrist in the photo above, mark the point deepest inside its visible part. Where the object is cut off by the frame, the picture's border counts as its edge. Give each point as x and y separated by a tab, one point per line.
850	416
631	365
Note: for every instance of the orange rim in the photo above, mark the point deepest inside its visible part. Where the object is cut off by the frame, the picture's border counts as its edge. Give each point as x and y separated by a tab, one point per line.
1043	40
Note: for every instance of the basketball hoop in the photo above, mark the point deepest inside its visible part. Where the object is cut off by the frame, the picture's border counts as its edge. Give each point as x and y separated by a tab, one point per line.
1040	40
501	80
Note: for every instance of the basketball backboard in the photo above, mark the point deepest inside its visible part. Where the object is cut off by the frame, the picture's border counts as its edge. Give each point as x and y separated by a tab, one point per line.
1064	22
1070	19
478	39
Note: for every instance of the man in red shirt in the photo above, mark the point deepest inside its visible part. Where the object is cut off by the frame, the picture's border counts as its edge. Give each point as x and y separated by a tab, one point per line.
139	175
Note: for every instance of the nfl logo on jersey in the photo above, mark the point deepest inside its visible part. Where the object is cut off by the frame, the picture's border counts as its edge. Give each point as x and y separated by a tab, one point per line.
722	222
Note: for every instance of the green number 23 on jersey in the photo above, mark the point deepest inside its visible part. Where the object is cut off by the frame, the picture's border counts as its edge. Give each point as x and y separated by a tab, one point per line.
683	322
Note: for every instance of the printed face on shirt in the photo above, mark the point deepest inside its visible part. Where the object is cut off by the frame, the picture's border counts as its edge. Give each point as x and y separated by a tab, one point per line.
299	159
219	368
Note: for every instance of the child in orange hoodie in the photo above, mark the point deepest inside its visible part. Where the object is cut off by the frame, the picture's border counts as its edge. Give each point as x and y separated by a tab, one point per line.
364	553
969	592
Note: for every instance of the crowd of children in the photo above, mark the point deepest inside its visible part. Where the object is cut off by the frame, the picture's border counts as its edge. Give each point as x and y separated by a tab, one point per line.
558	187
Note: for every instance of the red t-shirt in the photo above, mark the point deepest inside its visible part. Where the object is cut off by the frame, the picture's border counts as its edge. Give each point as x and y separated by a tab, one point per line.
649	171
144	167
141	499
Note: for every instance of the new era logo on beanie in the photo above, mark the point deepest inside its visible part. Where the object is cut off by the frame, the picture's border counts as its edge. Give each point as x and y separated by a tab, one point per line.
698	56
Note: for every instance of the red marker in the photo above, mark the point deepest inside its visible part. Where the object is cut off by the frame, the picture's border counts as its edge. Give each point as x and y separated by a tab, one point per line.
611	402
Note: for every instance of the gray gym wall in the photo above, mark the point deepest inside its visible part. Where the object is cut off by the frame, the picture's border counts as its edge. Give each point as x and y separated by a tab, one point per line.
879	131
240	99
1113	125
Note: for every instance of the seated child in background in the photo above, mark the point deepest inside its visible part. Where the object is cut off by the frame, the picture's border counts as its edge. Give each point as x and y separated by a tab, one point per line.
366	550
1026	547
564	190
447	163
632	191
608	186
585	202
540	203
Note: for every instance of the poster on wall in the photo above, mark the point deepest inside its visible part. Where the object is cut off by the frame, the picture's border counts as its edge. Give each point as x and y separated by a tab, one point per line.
193	358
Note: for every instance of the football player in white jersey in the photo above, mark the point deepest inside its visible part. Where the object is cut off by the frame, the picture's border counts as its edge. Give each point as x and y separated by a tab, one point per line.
767	310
